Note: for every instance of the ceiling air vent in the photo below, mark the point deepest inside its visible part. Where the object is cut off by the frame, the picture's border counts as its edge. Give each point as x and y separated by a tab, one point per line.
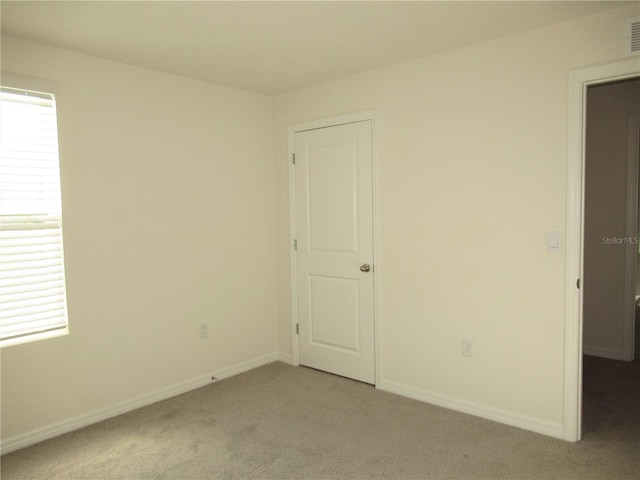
632	45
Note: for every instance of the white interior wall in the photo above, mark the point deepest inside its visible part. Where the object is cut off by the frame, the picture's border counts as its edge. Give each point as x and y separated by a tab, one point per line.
471	175
169	221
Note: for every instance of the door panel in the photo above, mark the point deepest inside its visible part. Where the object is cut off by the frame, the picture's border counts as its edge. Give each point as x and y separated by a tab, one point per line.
332	174
334	218
334	319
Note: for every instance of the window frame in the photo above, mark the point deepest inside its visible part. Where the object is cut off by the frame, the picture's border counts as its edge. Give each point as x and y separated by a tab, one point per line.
36	87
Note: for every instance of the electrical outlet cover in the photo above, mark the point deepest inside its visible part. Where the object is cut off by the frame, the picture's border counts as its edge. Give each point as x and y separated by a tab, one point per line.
467	347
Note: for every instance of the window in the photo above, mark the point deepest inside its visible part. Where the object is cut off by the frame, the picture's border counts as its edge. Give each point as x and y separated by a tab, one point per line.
32	282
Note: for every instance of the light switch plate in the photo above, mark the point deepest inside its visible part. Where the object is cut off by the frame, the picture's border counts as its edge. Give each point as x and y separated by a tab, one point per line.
554	242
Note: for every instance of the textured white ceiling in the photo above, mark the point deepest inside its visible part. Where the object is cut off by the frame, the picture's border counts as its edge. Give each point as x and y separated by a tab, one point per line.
273	47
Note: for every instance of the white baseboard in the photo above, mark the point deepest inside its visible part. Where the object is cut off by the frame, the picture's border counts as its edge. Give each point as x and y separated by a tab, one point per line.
604	352
508	418
285	358
79	421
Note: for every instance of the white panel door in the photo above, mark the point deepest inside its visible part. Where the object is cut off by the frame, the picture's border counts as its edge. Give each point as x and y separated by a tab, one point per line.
334	257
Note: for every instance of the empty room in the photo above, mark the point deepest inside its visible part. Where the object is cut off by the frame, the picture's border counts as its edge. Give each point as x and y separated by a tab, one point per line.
319	239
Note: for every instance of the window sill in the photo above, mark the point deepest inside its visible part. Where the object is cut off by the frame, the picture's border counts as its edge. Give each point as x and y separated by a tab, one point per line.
35	337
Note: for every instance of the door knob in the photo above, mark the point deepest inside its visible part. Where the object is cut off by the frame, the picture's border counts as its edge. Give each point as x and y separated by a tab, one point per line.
365	268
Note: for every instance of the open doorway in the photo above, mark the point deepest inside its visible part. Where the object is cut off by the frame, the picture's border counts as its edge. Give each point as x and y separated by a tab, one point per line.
611	377
579	81
610	219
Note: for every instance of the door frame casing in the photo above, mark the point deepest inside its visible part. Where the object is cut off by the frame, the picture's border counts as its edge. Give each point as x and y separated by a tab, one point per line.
368	115
579	81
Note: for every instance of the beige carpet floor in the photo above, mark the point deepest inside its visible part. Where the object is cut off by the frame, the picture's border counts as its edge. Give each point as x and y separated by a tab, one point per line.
281	422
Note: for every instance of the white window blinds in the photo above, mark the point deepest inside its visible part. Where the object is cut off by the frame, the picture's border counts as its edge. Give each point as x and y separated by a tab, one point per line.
32	281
